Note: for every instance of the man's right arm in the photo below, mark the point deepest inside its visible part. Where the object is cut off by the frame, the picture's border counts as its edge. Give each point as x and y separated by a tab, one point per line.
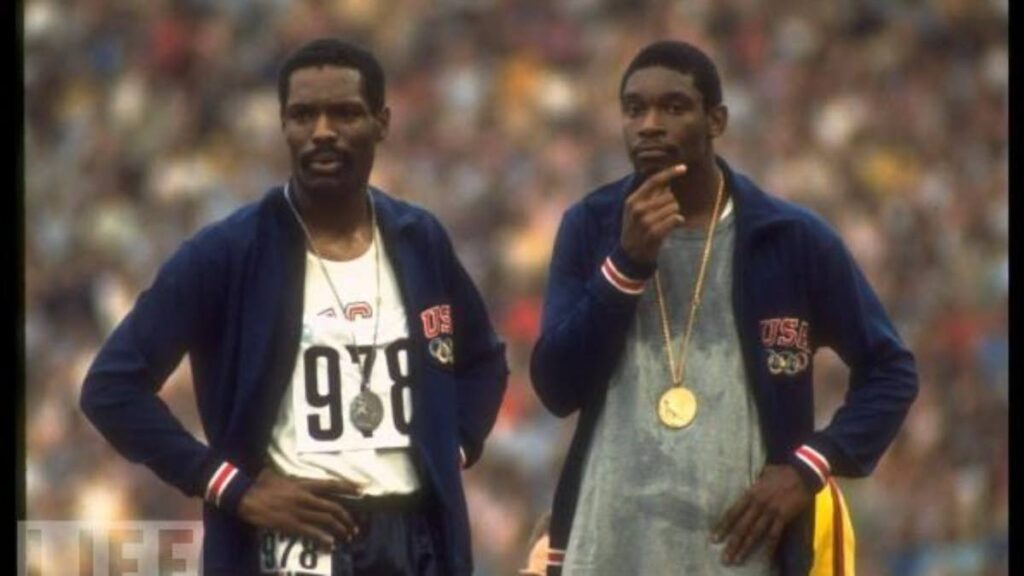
587	312
120	398
588	309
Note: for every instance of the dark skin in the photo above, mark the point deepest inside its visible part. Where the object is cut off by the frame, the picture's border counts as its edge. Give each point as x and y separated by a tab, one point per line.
665	125
300	506
762	512
332	135
669	133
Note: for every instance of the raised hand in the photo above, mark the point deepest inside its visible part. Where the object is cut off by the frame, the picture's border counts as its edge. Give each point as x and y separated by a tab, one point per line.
649	215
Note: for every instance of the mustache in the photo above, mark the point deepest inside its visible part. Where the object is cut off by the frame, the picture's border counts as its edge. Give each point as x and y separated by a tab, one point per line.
330	152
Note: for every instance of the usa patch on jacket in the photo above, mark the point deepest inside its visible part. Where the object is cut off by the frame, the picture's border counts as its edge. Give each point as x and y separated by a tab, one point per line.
786	343
436	320
437	329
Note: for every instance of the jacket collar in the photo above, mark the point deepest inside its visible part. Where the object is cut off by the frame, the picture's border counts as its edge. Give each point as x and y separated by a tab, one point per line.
391	217
756	210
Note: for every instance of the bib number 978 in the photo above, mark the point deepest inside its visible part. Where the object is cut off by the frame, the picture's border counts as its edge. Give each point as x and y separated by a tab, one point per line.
331	425
291	555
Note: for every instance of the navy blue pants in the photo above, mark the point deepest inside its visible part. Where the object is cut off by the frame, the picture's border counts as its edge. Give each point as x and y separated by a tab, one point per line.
392	541
396	538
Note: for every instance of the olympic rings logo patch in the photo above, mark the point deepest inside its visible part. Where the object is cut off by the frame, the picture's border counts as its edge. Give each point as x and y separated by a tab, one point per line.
788	363
442	350
787	341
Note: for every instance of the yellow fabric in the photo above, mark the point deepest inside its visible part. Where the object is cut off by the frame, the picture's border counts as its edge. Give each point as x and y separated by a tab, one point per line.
827	503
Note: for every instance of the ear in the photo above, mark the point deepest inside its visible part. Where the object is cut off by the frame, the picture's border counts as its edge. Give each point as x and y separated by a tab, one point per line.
383	120
718	119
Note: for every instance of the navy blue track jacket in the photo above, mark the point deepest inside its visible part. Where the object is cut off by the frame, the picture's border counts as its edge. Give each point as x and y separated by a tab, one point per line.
231	298
796	288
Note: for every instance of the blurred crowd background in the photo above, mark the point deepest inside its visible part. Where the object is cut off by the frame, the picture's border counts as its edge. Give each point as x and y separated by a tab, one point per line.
148	120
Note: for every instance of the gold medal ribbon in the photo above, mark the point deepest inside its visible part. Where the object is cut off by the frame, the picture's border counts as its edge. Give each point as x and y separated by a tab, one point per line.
677	406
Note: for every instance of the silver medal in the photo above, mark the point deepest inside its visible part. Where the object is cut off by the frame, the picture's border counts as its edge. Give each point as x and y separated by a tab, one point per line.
366	411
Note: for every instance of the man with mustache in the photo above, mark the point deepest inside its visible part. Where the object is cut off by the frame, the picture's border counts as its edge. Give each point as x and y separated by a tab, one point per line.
345	367
682	313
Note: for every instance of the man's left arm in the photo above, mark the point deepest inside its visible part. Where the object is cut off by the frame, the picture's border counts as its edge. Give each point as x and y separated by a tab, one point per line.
481	370
883	377
851	320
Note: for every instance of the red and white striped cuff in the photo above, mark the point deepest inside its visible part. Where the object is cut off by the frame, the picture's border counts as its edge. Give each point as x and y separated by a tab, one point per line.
815	461
219	482
619	280
555	557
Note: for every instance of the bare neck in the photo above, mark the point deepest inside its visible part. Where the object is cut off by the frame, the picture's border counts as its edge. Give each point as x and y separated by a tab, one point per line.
337	222
696	193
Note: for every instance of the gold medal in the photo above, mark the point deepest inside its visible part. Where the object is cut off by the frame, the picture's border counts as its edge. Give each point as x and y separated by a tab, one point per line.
677	407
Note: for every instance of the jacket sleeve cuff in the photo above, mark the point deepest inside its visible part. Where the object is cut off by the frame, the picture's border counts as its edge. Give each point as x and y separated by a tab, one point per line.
556	558
625	275
813	467
226	486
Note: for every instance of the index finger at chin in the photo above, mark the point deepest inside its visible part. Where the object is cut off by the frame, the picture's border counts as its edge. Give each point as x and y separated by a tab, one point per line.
662	178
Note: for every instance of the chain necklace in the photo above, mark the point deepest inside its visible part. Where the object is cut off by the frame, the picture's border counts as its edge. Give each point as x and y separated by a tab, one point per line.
367	409
677	406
